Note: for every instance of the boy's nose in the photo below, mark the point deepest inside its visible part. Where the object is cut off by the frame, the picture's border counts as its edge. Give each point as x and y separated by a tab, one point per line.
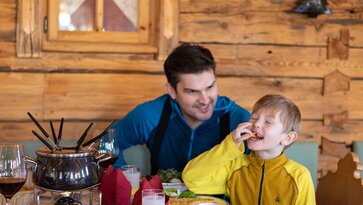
257	124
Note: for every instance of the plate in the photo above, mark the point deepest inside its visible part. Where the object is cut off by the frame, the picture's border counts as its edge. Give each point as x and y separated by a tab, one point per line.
217	201
198	201
176	185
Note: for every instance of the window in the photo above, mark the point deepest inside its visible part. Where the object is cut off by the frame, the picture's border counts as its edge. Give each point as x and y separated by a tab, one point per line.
111	25
122	26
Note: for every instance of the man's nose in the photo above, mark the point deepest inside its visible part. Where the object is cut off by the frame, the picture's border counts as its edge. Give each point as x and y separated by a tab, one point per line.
203	97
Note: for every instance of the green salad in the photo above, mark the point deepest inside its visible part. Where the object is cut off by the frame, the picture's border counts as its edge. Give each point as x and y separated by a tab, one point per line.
176	193
169	175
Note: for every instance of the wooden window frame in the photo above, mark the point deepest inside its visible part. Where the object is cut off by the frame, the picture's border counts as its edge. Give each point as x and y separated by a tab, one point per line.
159	38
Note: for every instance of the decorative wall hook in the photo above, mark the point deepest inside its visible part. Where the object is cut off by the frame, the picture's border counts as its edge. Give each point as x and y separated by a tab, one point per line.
313	8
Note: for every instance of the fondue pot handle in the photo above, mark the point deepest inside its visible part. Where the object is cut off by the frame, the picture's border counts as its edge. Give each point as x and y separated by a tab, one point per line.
102	158
31	160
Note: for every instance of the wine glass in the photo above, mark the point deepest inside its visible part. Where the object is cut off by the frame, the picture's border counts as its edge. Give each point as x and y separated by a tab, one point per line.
12	169
109	145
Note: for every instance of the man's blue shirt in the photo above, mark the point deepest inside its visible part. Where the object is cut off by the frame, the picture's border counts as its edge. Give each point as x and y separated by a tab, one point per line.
181	143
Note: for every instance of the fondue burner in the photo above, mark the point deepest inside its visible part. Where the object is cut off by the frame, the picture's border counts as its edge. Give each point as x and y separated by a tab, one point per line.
60	197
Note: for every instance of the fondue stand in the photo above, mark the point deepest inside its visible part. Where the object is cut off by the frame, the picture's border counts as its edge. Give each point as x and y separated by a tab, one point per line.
61	197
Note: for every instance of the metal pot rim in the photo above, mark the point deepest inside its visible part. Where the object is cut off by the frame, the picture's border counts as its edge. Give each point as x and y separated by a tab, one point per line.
64	153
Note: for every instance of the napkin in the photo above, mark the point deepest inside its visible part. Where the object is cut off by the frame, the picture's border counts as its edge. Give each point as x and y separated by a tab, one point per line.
154	183
115	188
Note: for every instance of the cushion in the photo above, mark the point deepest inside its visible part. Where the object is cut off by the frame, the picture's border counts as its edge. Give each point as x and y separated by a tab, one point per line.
305	153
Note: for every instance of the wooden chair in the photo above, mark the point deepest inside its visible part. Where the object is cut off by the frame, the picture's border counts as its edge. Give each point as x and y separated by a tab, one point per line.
344	186
2	200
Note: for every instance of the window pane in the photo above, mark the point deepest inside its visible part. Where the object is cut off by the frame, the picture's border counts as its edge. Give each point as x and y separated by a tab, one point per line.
120	15
77	15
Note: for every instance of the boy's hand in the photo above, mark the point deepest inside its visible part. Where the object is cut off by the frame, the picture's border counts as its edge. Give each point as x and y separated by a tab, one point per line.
242	133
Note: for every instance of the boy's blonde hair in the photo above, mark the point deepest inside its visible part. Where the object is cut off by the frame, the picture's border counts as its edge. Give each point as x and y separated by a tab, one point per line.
289	113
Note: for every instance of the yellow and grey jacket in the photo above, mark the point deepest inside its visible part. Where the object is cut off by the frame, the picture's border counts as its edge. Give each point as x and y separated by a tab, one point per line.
247	179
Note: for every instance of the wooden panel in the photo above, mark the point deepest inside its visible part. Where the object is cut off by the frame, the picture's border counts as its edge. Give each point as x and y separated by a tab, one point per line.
268	28
111	95
291	61
104	94
95	96
20	93
314	130
231	60
238	6
8	20
76	62
307	93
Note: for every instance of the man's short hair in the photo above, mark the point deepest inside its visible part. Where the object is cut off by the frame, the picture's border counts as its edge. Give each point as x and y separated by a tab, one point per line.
187	59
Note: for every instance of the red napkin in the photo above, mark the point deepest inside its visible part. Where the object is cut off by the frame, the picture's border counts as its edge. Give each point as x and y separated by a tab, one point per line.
115	188
154	183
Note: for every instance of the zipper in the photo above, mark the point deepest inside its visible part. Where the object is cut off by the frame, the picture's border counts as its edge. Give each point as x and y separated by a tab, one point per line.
261	182
191	145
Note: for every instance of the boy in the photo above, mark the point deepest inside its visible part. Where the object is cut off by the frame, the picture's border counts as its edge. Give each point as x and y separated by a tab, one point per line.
266	175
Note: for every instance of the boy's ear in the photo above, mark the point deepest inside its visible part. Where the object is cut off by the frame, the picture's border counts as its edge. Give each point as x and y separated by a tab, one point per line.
170	90
289	138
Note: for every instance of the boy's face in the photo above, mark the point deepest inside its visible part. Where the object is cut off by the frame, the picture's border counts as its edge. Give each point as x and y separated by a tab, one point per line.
269	127
196	95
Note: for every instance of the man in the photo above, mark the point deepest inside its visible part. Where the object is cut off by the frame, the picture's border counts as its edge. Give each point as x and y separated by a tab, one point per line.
187	121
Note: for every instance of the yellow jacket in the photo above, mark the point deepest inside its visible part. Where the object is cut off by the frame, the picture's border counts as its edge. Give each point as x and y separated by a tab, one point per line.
247	179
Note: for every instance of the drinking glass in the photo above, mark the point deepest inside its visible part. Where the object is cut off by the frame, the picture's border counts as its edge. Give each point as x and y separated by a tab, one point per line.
12	169
109	145
153	197
132	174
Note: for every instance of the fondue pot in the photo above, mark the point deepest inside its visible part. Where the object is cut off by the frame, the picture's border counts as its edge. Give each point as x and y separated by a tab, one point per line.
66	169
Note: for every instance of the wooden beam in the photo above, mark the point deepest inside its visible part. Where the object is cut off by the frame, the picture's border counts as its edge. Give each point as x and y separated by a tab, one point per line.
28	29
168	27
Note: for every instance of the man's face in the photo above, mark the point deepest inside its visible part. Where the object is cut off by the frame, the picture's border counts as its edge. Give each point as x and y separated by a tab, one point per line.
196	95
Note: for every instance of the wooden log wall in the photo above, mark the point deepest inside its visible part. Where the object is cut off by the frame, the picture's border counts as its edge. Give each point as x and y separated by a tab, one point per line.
260	46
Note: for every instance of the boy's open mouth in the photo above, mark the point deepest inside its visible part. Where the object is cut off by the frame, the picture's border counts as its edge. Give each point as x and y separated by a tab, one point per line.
256	136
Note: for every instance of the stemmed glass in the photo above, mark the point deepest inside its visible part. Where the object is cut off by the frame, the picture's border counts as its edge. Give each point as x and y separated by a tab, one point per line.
109	145
12	169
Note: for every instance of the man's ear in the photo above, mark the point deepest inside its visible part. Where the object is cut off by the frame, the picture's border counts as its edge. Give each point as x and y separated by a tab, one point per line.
289	138
171	91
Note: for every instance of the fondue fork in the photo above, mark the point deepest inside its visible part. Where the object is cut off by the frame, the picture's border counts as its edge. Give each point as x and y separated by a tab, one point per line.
43	140
92	141
53	132
43	131
81	139
60	131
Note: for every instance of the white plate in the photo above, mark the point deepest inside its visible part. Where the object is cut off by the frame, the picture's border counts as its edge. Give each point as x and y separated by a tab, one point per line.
178	186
